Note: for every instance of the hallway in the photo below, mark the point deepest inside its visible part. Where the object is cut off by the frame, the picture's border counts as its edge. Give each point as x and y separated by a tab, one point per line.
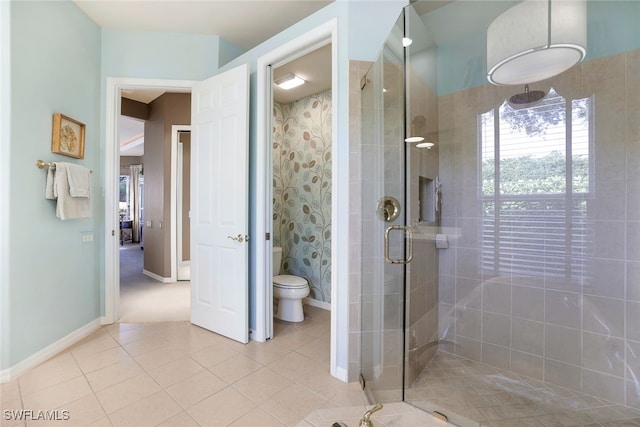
143	299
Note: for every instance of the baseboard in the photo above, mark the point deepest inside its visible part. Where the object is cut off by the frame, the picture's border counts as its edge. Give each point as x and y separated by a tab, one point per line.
341	374
156	277
315	303
48	352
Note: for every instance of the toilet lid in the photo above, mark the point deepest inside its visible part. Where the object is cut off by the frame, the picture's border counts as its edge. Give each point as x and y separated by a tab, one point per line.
289	281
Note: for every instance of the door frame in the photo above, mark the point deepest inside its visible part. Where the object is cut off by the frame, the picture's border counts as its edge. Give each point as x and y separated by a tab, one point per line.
114	86
312	40
175	218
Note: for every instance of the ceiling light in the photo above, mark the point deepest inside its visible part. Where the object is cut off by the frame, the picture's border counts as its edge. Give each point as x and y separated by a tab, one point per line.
427	145
535	40
289	81
414	139
406	42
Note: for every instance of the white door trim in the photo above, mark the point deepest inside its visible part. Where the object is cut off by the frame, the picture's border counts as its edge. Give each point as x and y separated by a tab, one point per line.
174	198
317	37
114	86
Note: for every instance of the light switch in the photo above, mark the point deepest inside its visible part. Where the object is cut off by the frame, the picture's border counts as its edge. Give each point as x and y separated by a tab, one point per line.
148	224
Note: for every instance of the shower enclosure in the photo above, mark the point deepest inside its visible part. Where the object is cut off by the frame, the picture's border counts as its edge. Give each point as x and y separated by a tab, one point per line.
501	262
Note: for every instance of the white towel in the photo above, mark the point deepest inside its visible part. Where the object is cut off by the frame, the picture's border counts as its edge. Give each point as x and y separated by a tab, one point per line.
78	180
49	193
67	207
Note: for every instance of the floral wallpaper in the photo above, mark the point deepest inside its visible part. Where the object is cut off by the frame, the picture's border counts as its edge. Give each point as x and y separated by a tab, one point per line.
302	190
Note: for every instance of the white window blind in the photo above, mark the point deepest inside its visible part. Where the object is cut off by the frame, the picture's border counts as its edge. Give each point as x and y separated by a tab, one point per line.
536	172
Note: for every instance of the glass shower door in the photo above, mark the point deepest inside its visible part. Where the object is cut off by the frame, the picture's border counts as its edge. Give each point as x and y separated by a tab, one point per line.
383	223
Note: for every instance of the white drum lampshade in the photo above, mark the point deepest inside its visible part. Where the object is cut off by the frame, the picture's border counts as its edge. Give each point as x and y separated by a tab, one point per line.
535	40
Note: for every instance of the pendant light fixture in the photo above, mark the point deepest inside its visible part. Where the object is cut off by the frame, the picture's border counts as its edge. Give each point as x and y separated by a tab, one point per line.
535	40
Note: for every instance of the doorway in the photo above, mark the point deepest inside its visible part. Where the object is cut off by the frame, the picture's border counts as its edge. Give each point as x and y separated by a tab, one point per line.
339	301
207	150
113	311
301	167
149	289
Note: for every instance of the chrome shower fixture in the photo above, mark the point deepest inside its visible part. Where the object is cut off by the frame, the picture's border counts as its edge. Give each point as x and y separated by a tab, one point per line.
526	98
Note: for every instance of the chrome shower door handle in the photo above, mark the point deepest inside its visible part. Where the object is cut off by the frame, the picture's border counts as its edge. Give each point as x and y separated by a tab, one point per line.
409	234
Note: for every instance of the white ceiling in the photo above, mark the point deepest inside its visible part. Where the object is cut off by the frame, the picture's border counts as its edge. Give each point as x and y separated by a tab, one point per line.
314	68
131	133
245	23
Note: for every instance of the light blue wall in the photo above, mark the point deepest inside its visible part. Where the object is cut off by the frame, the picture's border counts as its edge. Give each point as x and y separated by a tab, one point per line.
228	51
613	27
5	177
53	277
146	54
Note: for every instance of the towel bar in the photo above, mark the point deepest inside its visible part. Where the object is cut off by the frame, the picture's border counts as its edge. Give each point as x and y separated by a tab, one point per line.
41	164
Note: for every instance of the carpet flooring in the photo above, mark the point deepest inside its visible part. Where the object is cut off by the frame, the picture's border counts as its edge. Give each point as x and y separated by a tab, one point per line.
143	299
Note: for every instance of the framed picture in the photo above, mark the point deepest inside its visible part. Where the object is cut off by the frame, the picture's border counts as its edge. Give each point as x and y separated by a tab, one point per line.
67	137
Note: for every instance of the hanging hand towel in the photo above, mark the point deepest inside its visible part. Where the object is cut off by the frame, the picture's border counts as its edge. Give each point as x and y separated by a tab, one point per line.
51	176
67	207
78	180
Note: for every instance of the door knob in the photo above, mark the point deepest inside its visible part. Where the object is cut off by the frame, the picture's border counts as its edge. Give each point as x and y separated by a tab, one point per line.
239	238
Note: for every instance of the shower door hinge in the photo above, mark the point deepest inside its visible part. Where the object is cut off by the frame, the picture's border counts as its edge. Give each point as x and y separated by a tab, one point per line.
362	380
363	82
267	236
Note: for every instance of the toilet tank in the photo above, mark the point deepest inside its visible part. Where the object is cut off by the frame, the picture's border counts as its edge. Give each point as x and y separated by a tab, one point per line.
277	259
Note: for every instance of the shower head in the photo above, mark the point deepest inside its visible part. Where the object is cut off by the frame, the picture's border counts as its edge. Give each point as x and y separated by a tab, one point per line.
526	98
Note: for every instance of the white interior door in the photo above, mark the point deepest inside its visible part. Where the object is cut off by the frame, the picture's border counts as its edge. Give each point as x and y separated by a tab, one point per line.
219	204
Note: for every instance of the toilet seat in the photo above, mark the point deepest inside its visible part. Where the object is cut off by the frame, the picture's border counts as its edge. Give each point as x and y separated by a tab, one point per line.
287	281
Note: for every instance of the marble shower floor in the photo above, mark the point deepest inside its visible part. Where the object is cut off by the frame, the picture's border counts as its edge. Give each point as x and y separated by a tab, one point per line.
498	398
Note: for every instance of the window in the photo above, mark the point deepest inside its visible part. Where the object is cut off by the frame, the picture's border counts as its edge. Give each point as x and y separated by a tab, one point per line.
536	172
124	205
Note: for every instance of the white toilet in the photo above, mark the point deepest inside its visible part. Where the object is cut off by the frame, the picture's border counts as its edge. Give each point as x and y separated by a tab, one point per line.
289	290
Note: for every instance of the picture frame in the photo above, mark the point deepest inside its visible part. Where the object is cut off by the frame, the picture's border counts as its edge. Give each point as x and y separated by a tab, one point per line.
67	136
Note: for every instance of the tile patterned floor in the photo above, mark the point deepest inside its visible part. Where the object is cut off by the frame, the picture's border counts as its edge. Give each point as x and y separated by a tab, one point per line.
494	397
176	374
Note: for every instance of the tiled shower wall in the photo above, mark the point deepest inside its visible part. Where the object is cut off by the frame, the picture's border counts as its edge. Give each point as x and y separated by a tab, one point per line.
582	333
302	190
